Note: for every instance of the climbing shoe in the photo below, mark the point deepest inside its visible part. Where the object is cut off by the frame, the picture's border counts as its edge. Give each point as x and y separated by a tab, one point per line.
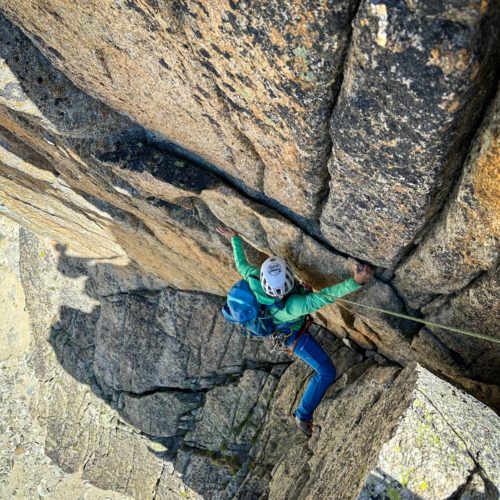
305	426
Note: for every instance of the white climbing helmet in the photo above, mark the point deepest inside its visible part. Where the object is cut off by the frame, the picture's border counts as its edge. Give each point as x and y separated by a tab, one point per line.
276	277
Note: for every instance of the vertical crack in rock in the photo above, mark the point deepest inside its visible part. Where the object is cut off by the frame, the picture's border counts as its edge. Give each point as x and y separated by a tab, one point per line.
448	192
157	484
271	63
336	88
429	401
151	215
477	466
307	226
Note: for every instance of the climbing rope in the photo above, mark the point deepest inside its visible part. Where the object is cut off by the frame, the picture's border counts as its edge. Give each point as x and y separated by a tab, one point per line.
419	320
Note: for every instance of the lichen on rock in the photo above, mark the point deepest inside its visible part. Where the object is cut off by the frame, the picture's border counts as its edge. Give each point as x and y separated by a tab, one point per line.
322	132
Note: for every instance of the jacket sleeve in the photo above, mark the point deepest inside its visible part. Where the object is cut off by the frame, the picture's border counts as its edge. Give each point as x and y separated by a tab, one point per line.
242	265
300	305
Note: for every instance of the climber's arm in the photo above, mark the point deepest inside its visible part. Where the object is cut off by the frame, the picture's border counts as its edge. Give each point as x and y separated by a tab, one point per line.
242	265
300	305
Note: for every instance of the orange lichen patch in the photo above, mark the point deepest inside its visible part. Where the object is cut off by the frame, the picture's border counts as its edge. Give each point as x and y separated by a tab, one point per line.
484	6
277	38
450	62
186	71
487	185
301	30
453	106
483	217
403	208
390	144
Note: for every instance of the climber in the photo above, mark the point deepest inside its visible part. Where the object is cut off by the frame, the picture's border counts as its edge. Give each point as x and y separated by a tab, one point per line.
276	281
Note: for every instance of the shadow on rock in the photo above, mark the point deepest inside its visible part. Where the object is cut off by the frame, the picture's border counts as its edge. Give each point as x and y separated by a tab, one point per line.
167	362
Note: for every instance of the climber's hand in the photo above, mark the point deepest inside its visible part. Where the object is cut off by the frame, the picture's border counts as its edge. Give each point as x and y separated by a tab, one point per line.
226	231
362	273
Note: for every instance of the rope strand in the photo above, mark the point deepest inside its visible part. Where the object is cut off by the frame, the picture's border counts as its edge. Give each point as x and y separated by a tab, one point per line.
419	320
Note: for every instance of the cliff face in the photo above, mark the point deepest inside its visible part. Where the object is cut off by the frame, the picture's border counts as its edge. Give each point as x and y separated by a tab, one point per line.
129	130
131	395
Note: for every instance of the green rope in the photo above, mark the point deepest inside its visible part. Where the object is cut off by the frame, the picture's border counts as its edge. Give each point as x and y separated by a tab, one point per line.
425	322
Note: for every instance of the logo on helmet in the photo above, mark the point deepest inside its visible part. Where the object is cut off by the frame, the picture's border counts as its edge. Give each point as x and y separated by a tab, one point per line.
274	269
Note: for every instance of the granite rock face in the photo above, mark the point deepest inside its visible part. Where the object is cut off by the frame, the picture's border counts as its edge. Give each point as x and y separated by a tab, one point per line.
395	435
104	179
316	141
415	79
114	347
248	87
465	241
255	98
110	189
440	443
184	343
225	429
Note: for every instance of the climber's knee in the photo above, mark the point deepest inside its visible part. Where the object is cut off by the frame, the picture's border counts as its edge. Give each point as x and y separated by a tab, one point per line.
327	371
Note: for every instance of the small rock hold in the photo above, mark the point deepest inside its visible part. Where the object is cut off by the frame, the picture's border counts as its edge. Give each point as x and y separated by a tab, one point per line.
42	490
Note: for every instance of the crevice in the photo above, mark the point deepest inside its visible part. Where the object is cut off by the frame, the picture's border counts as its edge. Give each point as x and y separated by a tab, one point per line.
144	293
459	437
491	488
229	380
336	89
439	301
157	484
456	495
308	226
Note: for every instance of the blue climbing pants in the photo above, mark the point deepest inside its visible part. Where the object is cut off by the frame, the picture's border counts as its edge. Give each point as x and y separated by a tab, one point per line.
309	351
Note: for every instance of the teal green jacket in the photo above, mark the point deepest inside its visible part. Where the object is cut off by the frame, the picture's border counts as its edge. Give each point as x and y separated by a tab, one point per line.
297	305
